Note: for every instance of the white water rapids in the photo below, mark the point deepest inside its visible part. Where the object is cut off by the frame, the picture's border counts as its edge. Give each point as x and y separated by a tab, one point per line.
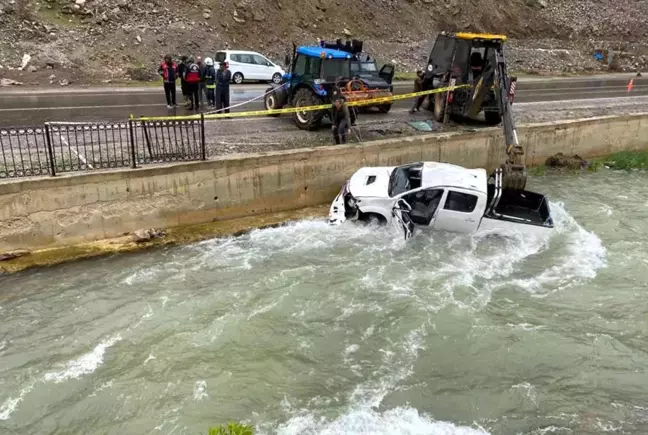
312	329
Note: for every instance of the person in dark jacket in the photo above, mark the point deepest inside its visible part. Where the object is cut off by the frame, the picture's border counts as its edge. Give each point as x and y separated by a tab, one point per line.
210	82
203	69
192	77
418	87
182	66
341	120
223	79
169	72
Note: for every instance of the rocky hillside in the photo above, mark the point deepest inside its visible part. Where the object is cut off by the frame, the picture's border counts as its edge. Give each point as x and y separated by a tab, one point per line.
89	41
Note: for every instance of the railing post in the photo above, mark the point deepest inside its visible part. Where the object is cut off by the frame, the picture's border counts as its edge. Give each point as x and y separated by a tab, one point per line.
132	144
202	137
50	151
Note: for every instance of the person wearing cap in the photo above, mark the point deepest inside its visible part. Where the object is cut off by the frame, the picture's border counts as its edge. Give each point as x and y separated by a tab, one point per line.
192	77
223	79
341	120
210	82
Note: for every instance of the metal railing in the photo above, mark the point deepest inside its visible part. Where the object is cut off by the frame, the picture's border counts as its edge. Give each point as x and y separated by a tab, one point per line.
59	147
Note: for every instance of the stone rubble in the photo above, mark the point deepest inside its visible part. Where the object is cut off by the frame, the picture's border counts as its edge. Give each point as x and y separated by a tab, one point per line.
87	41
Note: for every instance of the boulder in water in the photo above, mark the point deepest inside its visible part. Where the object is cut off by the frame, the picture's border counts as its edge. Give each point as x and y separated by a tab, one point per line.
566	162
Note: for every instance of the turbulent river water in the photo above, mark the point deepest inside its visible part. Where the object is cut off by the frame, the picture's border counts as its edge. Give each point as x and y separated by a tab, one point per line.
309	329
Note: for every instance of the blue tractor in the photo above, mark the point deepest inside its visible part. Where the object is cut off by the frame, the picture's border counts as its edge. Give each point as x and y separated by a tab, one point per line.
318	72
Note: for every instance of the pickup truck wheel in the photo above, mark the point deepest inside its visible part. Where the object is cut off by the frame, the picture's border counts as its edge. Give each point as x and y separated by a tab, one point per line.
307	120
374	219
270	103
439	106
492	118
384	108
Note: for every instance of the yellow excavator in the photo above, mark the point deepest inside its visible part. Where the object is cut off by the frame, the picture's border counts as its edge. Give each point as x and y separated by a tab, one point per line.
477	60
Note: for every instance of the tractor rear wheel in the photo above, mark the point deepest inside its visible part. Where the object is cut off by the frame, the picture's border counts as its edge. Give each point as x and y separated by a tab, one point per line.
307	120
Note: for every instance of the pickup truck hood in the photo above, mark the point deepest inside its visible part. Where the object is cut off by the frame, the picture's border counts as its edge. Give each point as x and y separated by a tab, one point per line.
370	182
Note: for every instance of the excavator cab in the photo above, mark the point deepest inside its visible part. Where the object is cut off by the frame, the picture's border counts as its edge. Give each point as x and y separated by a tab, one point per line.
476	62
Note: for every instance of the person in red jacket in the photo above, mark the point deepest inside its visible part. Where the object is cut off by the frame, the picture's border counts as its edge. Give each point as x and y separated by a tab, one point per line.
169	72
192	77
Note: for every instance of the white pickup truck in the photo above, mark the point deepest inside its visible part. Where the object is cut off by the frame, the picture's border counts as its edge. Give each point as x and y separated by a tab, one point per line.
439	196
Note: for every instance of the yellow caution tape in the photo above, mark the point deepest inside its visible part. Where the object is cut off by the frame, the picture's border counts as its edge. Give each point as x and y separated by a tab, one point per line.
368	102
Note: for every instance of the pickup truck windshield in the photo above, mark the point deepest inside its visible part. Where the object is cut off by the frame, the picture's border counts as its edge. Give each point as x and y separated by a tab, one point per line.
405	178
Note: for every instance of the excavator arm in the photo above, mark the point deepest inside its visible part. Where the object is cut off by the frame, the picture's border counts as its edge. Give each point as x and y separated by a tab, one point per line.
514	171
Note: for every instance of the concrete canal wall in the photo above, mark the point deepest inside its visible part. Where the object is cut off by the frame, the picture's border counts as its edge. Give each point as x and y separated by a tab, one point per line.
76	208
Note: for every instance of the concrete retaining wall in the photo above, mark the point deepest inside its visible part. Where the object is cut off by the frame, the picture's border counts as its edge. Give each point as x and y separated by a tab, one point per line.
66	210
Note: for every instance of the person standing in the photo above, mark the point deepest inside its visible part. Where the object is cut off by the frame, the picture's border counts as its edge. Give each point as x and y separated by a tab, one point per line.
223	79
203	69
169	72
210	82
192	77
182	67
341	120
418	87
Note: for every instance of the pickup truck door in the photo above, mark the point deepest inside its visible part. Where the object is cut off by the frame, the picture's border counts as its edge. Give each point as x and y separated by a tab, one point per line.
461	211
402	219
418	208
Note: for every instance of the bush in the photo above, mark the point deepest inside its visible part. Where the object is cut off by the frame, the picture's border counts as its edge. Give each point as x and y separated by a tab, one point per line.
628	160
231	429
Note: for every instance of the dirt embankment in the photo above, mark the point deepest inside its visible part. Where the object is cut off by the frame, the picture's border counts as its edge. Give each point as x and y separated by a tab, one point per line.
90	41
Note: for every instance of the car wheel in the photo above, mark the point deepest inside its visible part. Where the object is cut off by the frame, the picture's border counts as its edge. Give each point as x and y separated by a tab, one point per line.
375	219
238	78
276	78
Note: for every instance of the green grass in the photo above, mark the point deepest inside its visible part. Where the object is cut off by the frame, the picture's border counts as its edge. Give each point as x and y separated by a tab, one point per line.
626	160
403	75
538	171
231	429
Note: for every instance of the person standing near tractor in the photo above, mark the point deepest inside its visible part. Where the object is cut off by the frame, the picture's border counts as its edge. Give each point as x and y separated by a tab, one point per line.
210	82
192	77
341	120
223	79
418	87
169	72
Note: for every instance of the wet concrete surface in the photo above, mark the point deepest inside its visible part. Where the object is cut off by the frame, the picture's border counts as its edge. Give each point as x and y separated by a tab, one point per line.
32	107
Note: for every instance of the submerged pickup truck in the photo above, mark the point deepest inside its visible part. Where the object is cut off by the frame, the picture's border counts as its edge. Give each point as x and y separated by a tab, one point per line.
439	196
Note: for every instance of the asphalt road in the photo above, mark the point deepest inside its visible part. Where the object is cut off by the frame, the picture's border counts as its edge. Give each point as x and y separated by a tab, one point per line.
20	107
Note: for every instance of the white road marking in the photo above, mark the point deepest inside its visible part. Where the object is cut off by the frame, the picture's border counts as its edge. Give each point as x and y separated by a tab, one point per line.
79	156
